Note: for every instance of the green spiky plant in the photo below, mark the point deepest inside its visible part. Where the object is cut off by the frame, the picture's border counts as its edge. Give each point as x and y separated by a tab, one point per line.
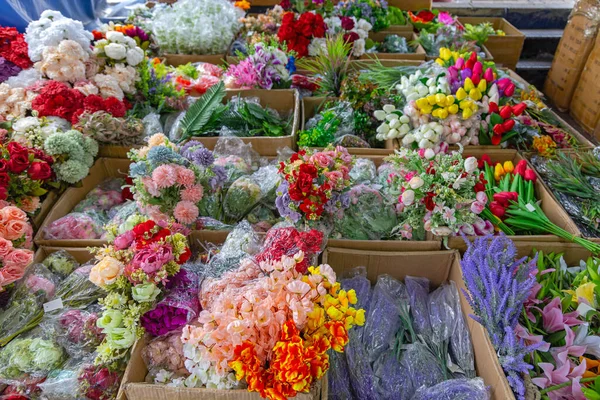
331	65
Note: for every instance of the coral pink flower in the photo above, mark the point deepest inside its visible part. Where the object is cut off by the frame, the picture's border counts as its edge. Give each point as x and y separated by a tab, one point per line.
186	212
185	177
193	193
164	176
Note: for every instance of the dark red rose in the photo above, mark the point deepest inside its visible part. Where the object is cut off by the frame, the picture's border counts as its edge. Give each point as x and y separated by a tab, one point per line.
308	169
3	165
350	37
18	162
40	155
39	171
319	27
347	23
286	4
3	193
4	179
305	182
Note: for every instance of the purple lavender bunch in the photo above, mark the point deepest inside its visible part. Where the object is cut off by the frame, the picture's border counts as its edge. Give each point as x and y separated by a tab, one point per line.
498	284
418	292
340	386
454	389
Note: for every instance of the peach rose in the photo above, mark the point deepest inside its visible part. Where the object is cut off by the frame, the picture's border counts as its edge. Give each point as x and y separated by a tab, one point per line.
16	229
6	247
19	257
10	274
12	213
30	204
106	271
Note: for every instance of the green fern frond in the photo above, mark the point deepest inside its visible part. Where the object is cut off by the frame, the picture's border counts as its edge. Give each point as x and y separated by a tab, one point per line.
200	112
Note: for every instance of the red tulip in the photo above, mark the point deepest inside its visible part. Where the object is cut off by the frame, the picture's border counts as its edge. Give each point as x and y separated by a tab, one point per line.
508	125
519	109
485	159
476	78
493	107
496	139
499	129
505	112
520	168
504	198
497	209
530	175
510	90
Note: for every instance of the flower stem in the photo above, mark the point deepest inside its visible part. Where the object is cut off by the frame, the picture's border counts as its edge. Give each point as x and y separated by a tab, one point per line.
562	385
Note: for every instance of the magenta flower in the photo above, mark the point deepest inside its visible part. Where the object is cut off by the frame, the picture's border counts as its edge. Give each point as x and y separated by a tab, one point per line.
152	258
553	318
445	18
124	240
561	354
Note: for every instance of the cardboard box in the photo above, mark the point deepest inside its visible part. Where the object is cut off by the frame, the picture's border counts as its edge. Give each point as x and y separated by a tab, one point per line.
103	168
549	205
285	101
506	50
81	255
438	267
585	105
312	105
115	151
408	27
38	218
379	37
410	5
199	239
135	388
488	55
182	59
573	50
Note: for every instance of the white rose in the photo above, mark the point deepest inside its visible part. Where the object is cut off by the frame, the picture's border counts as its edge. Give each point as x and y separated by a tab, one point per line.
416	182
115	36
408	197
115	51
135	56
470	164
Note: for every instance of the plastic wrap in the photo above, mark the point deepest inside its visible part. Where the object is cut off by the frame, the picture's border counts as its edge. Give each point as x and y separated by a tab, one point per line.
212	224
418	292
246	192
180	306
422	367
61	263
383	174
351	141
235	167
103	197
76	226
455	389
394	44
77	291
234	146
76	330
363	170
152	124
165	353
442	316
62	383
24	310
173	126
362	377
393	382
368	216
31	355
263	217
383	320
461	346
240	243
120	217
340	387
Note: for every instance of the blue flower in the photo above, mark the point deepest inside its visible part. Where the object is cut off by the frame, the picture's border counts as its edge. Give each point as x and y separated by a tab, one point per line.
291	65
159	155
138	169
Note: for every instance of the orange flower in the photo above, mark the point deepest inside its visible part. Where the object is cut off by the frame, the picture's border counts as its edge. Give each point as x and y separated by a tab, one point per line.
243	4
592	367
339	335
246	362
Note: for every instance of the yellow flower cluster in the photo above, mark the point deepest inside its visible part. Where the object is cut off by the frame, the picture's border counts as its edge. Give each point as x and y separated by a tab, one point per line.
544	145
447	55
502	169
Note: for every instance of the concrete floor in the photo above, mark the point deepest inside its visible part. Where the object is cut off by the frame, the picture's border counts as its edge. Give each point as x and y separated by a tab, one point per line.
560	4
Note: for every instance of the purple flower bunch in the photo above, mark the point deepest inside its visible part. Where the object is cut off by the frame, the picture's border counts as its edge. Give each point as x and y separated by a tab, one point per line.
264	68
202	157
498	285
179	306
7	69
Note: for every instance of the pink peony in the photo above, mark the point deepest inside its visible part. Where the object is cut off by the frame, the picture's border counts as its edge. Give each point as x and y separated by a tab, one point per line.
186	212
151	187
124	240
193	193
151	259
185	177
164	176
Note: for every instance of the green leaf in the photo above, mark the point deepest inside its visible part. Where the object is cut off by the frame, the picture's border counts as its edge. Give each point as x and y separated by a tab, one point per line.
200	112
495	119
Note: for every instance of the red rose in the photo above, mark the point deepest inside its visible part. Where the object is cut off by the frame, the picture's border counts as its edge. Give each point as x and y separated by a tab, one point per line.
319	27
3	165
285	4
308	169
305	182
3	193
40	155
18	162
39	171
350	37
286	31
347	23
15	148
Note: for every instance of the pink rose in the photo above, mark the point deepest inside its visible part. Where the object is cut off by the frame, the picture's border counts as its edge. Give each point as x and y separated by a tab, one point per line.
19	257
6	247
10	274
336	178
345	171
321	160
152	259
124	240
343	154
11	212
16	229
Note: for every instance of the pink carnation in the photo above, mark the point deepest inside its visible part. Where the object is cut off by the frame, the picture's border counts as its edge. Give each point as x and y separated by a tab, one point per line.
151	187
186	177
193	194
186	212
164	176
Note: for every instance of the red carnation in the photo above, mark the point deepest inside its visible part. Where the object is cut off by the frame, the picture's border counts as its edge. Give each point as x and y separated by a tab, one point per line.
185	256
57	99
347	23
39	171
350	37
93	103
319	28
115	107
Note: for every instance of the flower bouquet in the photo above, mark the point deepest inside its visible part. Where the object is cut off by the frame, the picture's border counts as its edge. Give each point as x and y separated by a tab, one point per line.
76	330
374	12
13	53
438	193
283	349
314	185
15	244
133	269
302	34
355	31
164	359
515	207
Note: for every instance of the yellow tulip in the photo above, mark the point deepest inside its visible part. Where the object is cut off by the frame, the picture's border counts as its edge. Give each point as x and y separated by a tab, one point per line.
443	114
422	102
482	86
431	99
499	172
450	100
468	85
465	104
453	109
475	94
440	99
455	55
468	113
445	53
508	167
461	94
426	110
436	112
439	61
